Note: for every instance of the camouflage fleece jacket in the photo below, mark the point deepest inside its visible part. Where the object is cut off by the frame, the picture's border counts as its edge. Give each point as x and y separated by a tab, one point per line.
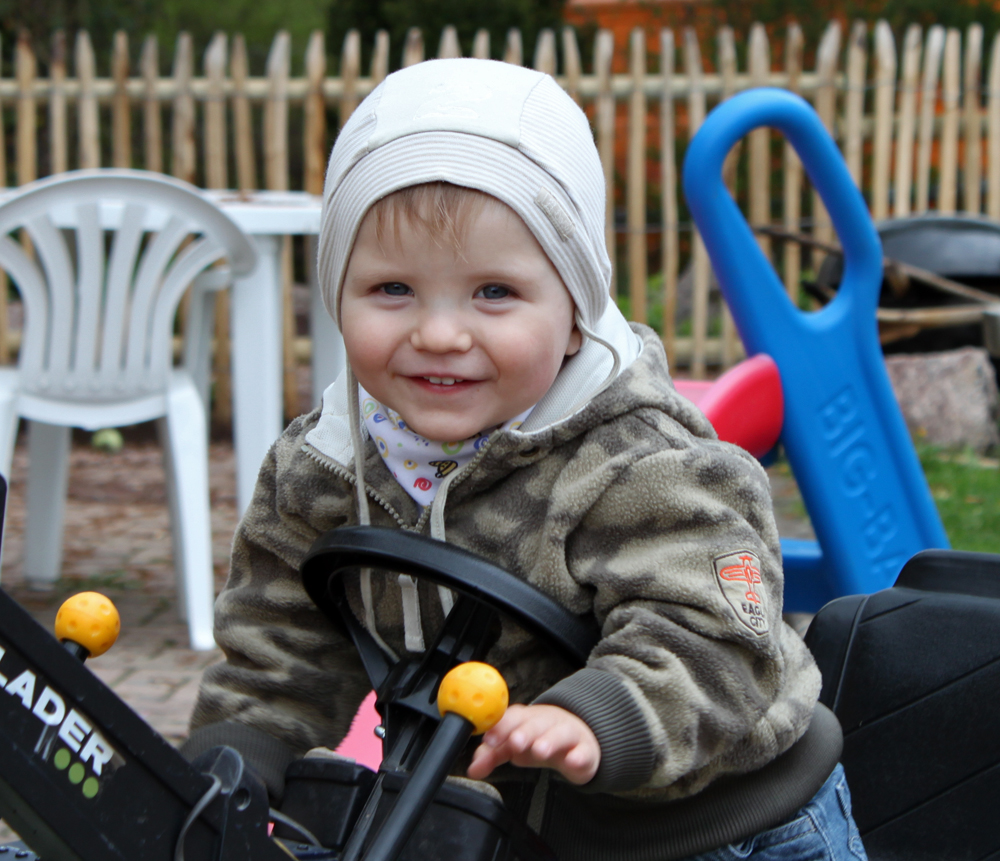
631	510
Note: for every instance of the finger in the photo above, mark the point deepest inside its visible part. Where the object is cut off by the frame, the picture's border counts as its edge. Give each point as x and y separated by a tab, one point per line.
484	760
512	718
555	742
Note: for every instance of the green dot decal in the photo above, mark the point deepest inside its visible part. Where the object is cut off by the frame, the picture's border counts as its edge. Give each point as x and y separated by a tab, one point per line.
90	787
76	772
61	759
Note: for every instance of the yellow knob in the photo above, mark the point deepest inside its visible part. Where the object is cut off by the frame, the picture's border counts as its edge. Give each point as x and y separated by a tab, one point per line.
475	691
90	620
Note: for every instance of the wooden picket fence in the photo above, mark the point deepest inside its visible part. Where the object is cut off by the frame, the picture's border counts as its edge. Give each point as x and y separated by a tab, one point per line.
917	125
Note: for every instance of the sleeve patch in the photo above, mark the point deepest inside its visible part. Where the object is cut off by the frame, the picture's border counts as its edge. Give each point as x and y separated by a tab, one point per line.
738	575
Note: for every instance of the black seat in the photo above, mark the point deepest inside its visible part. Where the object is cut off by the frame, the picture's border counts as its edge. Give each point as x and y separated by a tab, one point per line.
913	674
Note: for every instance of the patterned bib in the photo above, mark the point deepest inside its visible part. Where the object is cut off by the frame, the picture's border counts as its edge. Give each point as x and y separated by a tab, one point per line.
419	464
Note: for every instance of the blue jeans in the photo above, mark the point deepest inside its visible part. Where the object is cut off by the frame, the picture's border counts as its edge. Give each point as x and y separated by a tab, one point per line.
823	830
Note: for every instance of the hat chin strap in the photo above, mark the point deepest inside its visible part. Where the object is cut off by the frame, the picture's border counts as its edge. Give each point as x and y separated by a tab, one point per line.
616	361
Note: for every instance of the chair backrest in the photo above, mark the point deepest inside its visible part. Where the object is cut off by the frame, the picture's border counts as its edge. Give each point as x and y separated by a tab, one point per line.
111	253
843	431
913	675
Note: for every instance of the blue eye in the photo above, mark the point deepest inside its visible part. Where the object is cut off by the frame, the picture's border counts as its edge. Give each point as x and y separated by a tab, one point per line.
394	288
495	291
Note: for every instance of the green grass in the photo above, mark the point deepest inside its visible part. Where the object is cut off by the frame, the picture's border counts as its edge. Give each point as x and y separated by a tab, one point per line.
966	488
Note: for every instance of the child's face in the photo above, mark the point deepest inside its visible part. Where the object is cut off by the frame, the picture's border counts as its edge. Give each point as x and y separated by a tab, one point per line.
456	342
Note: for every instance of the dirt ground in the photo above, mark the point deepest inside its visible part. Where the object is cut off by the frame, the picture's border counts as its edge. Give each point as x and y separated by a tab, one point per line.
117	541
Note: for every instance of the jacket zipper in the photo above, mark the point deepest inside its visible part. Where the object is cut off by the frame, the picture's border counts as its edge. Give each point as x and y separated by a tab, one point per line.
337	469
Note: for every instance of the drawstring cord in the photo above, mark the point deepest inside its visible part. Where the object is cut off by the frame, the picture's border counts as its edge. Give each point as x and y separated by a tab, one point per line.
364	515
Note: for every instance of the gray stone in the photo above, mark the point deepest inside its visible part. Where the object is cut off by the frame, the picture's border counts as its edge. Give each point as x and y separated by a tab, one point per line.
948	399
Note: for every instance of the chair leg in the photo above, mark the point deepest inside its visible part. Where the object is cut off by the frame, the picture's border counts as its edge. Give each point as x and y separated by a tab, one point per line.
48	474
186	461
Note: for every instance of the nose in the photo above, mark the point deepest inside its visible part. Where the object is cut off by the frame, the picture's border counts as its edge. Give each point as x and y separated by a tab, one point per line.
441	333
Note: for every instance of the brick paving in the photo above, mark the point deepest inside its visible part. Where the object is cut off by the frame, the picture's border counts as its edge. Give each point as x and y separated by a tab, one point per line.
117	541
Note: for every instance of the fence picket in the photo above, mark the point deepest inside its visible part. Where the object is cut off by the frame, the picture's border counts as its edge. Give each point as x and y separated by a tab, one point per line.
759	204
25	70
121	108
701	267
350	69
152	121
86	105
380	58
909	78
448	47
792	183
928	104
972	121
314	136
215	113
635	193
276	113
827	59
216	177
668	195
572	67
726	43
246	159
481	44
604	114
950	91
413	47
885	95
726	49
854	103
513	51
58	148
993	140
545	52
183	163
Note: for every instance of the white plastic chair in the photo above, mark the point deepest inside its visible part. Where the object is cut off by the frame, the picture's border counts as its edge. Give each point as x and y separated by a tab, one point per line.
113	252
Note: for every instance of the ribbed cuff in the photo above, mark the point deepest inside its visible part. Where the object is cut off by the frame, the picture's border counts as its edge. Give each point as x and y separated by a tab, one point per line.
605	703
265	754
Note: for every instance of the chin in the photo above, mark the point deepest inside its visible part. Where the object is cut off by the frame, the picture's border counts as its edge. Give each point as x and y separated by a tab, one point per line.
444	433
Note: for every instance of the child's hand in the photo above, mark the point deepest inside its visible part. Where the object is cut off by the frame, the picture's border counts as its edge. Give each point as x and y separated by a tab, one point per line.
539	736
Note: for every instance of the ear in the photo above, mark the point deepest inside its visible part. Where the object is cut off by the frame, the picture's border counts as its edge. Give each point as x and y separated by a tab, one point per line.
575	341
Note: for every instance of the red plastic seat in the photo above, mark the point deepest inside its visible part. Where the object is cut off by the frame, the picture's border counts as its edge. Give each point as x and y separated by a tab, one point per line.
745	405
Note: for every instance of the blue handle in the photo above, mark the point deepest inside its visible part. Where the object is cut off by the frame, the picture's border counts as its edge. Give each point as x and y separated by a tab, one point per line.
843	431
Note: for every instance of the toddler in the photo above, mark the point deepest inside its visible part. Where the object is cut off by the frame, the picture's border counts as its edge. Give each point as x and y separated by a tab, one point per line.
496	398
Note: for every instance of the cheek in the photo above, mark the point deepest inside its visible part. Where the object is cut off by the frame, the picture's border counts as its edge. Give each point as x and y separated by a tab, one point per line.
363	349
532	358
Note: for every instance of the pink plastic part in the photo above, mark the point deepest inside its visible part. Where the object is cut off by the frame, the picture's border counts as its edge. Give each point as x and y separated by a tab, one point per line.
361	744
693	390
745	405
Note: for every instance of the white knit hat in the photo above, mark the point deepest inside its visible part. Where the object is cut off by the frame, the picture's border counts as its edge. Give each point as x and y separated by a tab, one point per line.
502	129
510	132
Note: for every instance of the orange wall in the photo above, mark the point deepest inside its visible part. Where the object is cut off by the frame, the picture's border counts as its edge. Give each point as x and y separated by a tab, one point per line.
622	16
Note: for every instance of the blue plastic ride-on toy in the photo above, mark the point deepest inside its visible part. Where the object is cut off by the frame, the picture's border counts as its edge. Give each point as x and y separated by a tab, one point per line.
843	431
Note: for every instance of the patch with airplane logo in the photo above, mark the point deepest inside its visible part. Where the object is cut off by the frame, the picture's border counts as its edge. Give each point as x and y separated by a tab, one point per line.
738	575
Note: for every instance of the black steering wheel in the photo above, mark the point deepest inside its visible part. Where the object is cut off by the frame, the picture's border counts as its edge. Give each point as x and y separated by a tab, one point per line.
354	547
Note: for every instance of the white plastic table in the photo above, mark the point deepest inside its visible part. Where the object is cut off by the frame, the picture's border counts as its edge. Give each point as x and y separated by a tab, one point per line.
256	322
